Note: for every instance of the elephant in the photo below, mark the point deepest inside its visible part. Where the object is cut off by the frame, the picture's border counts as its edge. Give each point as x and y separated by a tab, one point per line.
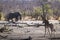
15	15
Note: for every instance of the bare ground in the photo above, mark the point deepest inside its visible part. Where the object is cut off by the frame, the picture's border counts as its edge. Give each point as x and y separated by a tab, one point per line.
34	32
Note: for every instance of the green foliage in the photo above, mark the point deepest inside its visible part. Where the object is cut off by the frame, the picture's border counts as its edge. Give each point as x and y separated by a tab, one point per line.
38	10
0	16
48	9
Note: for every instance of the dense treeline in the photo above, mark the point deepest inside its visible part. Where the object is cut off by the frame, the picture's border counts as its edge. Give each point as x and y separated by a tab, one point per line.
33	9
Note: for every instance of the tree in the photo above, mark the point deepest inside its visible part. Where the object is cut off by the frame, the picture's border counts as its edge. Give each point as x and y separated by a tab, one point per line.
1	7
0	16
37	12
47	10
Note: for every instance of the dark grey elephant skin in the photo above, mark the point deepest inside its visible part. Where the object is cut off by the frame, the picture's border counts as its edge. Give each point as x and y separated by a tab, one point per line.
15	15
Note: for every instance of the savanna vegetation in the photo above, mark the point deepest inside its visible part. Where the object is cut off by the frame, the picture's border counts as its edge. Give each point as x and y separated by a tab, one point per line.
32	9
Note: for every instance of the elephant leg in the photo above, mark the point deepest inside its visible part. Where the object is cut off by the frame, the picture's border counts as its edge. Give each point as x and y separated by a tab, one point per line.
19	17
16	19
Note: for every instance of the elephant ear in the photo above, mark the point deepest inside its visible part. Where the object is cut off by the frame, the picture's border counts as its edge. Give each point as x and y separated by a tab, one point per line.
7	17
20	17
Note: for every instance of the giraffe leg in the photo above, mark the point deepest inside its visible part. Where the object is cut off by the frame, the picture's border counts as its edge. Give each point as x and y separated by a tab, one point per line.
51	32
45	32
52	29
48	31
